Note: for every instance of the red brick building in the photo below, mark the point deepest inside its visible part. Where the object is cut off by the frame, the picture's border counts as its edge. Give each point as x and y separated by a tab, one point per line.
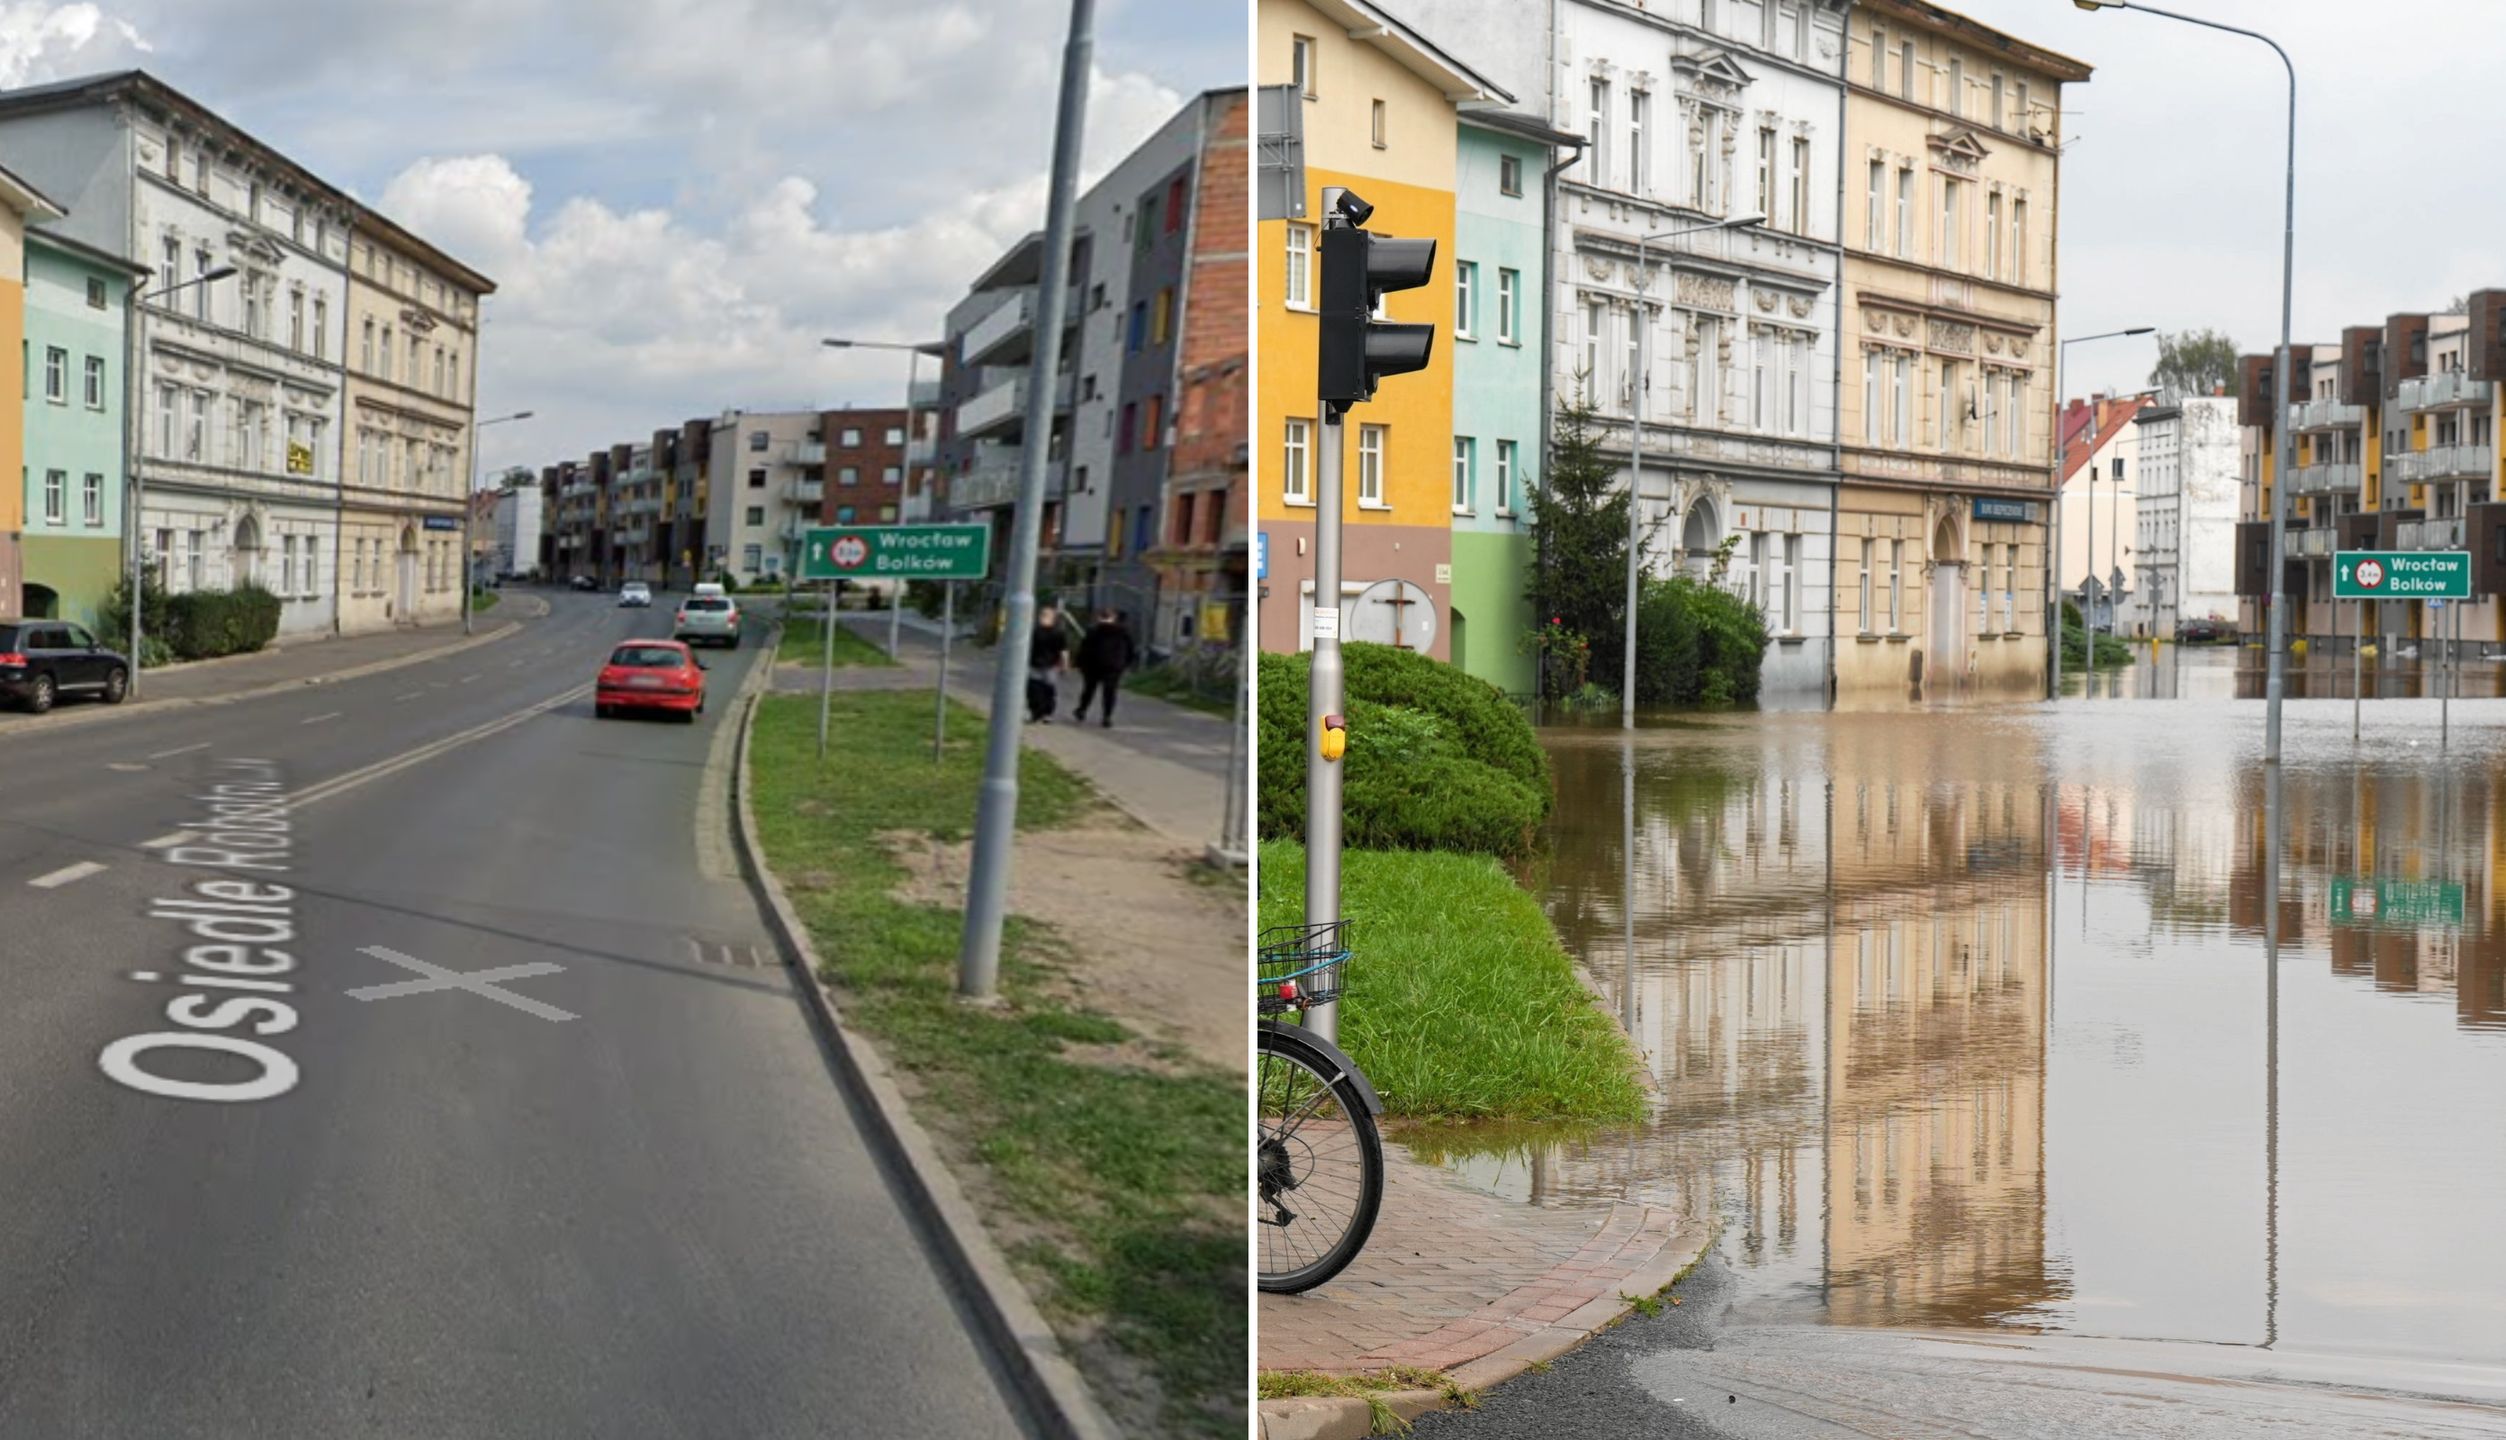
1200	554
864	477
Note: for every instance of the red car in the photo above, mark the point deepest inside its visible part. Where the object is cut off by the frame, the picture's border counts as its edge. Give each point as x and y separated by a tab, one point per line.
651	675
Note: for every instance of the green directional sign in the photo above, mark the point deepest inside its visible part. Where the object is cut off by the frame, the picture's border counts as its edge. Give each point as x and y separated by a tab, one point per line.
897	552
2401	904
2401	575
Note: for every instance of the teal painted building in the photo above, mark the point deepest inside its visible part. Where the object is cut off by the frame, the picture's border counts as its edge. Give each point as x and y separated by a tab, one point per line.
1501	331
77	302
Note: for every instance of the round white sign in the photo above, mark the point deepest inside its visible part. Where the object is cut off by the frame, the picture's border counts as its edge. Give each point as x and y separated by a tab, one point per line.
2370	573
850	552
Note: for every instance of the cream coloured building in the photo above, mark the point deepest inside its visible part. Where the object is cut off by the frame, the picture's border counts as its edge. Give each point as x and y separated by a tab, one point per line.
1952	163
410	352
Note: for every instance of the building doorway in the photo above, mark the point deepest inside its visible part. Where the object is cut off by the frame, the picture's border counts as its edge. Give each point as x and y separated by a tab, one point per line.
1697	540
247	552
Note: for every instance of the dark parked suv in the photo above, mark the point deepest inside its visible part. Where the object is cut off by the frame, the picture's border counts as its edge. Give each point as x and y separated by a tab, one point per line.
43	660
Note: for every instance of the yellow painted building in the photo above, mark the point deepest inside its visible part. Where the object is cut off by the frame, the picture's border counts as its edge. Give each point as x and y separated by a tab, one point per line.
19	204
1380	104
1952	161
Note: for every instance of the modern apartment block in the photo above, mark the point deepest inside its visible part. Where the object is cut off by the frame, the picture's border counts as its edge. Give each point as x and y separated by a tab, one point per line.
1952	182
2397	438
1199	566
985	378
412	378
243	385
764	492
518	524
864	480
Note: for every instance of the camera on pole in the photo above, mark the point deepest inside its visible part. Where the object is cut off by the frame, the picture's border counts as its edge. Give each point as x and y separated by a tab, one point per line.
1359	269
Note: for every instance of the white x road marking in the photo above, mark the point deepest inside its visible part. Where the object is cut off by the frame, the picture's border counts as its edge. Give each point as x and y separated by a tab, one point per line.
477	982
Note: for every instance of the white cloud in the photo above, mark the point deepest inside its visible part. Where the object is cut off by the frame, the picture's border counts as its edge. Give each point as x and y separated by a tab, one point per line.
41	42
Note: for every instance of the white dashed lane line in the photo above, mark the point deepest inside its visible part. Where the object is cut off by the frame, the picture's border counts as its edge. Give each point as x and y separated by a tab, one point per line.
168	842
127	767
67	874
318	719
412	695
179	750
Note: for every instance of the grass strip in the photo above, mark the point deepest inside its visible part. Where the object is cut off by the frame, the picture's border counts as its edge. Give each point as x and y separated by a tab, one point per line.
484	599
804	640
1117	1186
1370	1386
1461	1005
1164	684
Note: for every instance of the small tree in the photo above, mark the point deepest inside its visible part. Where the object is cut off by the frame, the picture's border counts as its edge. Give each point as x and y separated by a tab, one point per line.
1578	591
2193	362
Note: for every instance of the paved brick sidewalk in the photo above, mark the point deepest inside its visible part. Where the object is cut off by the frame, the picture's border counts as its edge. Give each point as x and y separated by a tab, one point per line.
1453	1275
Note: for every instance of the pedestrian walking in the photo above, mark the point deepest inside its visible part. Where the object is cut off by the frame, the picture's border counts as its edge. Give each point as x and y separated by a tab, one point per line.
1048	655
1104	653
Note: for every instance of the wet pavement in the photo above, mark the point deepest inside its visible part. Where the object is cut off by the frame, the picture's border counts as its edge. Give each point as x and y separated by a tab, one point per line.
1966	1017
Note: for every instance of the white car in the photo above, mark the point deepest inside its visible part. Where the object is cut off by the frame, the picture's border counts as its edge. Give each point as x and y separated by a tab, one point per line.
635	593
702	617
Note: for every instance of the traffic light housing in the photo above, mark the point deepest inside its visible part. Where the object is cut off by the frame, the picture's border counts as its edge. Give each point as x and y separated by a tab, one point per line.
1359	268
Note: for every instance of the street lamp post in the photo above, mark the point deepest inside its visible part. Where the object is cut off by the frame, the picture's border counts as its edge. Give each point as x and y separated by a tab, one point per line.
2285	443
1636	457
2053	559
469	510
913	364
134	486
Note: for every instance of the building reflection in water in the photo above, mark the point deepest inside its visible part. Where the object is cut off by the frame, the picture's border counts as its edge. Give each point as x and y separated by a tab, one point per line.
1846	935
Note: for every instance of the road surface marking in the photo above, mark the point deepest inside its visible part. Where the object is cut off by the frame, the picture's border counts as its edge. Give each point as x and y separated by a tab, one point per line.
339	784
466	679
318	719
477	982
66	874
125	766
168	842
179	750
412	695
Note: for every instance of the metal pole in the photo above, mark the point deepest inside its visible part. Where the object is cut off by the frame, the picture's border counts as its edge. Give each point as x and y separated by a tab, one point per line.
1325	691
1635	497
826	668
1234	845
948	632
469	559
2445	663
896	597
2358	642
996	814
133	485
2053	554
1627	882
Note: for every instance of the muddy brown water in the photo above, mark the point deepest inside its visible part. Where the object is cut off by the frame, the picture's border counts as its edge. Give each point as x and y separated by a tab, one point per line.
1969	1015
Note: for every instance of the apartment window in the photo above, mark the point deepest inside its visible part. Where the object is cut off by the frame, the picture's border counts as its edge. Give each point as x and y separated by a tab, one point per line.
1946	252
891	475
1378	124
254	422
1800	186
1509	174
296	320
1766	174
200	173
166	404
849	439
196	434
452	376
1708	399
1789	585
1637	103
56	496
1162	319
1758	571
1867	548
1139	332
1901	397
91	499
1992	236
1370	465
1505	477
1999	120
1596	129
201	265
385	354
365	348
2022	127
1293	485
1592	345
173	159
287	565
95	293
1945	424
756	515
2018	241
1152	422
1905	212
1905	71
1874	233
1465	302
1175	196
1465	454
1896	585
1957	87
439	371
1301	64
56	375
321	327
756	479
1299	288
1509	304
2016	440
1632	377
1761	382
893	435
417	355
95	382
1130	427
757	439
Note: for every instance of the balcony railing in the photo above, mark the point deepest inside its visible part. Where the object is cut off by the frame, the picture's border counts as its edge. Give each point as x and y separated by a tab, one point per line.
2329	415
805	452
921	449
2444	391
2301	544
1003	335
806	492
2431	534
2444	462
998	408
993	484
2340	479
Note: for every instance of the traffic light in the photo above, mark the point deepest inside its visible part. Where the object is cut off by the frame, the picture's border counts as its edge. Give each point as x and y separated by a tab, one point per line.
1359	350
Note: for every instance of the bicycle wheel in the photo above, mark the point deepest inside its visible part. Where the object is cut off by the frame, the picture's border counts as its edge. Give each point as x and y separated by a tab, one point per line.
1318	1163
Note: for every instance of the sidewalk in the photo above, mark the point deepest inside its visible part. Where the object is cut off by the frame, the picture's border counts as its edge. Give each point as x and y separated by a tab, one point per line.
1460	1281
307	660
1165	764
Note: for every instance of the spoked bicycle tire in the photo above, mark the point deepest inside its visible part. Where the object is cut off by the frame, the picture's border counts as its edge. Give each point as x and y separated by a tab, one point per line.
1318	1163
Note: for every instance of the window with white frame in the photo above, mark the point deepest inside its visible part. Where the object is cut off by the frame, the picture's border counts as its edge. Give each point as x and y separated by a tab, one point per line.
1999	119
1867	557
1593	320
1905	70
1901	397
1896	586
1465	459
1957	87
1465	298
1905	212
1295	486
1505	477
1874	219
1706	402
1797	386
1301	55
1509	306
167	403
1758	574
1639	104
1297	290
95	382
1871	362
1762	381
91	499
1945	250
2018	241
1766	174
1370	465
1992	236
1945	430
1789	585
1879	59
1509	174
1596	129
56	375
1800	186
196	430
56	496
1631	378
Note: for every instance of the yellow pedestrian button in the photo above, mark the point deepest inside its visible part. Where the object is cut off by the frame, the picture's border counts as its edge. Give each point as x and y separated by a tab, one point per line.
1335	737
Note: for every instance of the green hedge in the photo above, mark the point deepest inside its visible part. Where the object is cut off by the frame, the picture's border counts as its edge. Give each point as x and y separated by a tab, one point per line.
1437	759
204	624
1697	644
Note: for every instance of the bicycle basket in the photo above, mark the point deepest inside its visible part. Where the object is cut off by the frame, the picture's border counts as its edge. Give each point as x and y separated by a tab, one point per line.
1300	965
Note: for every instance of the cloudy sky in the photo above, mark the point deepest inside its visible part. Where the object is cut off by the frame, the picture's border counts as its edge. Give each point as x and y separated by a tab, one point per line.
2171	190
677	198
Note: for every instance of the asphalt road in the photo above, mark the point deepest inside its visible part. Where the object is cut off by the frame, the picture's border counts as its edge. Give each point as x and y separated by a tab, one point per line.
1716	1367
656	1216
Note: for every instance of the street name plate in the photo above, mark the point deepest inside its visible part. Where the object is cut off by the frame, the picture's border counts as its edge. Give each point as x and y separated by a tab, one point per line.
2401	575
897	552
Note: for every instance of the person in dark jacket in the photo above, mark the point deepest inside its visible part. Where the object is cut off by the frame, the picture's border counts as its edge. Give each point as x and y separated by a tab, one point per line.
1048	654
1104	653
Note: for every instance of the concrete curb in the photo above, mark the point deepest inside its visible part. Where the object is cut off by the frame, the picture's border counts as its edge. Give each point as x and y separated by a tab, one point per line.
1348	1418
1055	1394
94	714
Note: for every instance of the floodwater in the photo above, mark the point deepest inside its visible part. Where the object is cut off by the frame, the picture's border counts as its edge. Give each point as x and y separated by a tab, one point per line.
1994	1016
